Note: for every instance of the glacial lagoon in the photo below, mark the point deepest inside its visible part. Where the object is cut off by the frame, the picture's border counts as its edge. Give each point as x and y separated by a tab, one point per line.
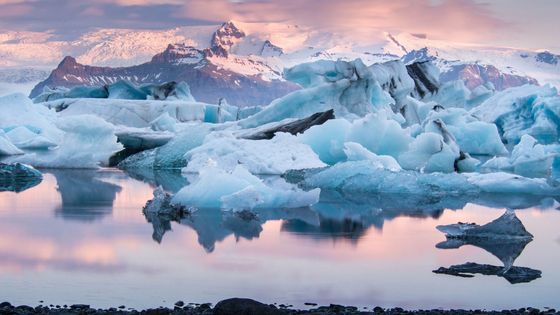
81	235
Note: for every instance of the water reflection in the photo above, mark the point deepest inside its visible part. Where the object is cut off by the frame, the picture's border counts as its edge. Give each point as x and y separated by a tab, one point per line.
505	238
214	225
85	197
384	256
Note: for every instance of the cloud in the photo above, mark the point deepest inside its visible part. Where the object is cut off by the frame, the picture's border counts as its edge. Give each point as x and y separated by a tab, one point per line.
457	19
364	20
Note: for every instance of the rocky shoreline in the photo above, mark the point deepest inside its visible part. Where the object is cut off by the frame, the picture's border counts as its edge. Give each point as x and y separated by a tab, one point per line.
238	306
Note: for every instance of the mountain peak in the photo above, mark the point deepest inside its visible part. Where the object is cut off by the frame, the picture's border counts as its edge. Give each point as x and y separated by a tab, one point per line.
68	61
179	54
224	38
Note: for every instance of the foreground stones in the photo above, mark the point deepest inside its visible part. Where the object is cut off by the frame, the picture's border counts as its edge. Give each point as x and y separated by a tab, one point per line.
238	306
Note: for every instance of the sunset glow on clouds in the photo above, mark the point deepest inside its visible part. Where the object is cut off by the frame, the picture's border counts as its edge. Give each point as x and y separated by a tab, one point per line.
476	21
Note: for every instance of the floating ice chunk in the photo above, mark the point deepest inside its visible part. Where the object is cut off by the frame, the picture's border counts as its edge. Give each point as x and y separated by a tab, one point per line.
528	158
172	154
356	152
429	152
276	156
126	91
142	138
18	177
452	94
319	72
529	109
366	176
7	147
327	140
511	184
472	136
87	92
164	122
394	78
380	134
18	110
506	226
172	90
161	205
24	138
239	190
88	142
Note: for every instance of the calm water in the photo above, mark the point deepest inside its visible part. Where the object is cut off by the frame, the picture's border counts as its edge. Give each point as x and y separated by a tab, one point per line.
81	237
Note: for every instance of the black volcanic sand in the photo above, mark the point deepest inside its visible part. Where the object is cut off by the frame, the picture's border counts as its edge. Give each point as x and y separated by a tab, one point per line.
238	306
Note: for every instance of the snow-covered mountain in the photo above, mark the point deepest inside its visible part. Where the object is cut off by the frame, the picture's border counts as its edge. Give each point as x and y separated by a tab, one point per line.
264	50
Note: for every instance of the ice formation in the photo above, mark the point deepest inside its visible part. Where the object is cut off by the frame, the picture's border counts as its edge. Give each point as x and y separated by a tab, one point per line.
529	109
88	142
506	226
122	90
275	156
352	128
239	189
18	177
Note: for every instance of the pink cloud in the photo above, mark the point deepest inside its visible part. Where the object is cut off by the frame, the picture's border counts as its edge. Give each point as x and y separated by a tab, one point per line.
462	20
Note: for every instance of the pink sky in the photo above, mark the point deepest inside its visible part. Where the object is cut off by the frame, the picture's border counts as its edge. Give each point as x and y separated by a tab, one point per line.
520	23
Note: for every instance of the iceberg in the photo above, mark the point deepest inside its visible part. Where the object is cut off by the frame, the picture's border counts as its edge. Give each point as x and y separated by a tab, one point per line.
506	226
241	190
18	177
529	109
505	238
88	142
528	158
276	156
121	89
24	138
7	147
368	177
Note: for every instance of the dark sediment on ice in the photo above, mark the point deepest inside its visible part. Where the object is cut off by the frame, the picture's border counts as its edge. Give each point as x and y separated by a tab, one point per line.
237	306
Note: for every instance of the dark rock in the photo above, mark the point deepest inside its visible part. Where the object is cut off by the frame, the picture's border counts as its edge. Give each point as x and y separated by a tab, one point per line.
512	274
240	306
378	310
295	127
79	306
180	303
5	304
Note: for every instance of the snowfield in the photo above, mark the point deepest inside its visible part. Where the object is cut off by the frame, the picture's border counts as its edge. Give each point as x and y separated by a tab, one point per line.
352	128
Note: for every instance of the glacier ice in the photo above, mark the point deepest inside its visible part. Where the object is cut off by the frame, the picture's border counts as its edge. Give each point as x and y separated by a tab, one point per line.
24	138
121	89
18	177
529	109
88	142
239	190
528	158
275	156
506	226
7	147
368	177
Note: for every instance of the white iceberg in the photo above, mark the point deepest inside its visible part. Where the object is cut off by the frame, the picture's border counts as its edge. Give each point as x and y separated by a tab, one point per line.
240	190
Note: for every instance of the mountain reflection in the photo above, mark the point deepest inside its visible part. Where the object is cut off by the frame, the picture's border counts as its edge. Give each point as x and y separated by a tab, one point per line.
84	196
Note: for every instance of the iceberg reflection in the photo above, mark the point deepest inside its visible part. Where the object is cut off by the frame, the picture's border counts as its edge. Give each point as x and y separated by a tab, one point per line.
85	197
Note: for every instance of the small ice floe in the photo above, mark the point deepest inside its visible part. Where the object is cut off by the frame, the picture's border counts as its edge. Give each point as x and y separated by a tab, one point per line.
18	177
